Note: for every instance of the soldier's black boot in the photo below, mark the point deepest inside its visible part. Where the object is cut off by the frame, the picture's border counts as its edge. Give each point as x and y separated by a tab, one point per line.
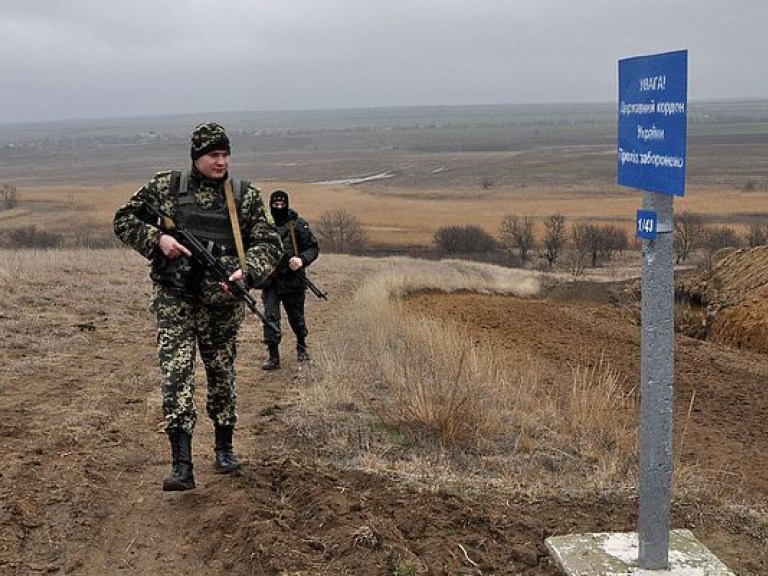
301	350
181	477
273	362
225	462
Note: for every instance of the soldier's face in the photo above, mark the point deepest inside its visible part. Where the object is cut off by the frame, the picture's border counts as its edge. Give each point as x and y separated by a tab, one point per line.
213	165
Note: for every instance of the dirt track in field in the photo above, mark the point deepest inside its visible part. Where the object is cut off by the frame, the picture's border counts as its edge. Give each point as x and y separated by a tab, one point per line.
84	457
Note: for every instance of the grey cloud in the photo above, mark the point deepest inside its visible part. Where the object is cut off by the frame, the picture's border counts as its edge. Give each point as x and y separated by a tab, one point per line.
85	58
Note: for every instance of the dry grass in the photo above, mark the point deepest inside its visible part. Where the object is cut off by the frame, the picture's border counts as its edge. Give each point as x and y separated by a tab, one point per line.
601	419
413	395
416	395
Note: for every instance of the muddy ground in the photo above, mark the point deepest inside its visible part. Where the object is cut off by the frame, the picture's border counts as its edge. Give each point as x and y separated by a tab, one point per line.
84	456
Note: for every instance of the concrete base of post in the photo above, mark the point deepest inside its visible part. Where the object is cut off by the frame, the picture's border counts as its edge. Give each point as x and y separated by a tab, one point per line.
616	554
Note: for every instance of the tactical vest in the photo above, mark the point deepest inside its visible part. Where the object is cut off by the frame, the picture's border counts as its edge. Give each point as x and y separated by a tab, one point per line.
210	225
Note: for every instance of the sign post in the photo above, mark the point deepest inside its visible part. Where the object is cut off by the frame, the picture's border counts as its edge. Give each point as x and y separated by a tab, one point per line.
657	318
652	156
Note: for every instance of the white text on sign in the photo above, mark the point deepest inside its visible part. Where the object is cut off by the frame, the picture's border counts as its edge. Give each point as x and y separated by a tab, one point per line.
651	83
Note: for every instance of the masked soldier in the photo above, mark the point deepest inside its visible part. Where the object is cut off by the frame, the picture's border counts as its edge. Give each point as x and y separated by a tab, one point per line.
286	285
193	310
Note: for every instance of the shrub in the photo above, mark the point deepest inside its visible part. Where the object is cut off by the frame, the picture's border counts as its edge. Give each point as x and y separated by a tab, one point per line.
29	237
94	237
341	232
455	240
9	197
598	242
757	235
716	238
689	230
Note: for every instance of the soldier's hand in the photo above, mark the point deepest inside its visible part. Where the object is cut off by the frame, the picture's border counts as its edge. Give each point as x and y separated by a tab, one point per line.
170	248
295	263
234	277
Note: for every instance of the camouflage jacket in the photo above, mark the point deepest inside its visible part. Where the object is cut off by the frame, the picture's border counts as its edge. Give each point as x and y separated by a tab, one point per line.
135	226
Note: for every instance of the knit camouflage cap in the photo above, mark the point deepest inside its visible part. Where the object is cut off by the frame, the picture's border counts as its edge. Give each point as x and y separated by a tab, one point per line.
206	138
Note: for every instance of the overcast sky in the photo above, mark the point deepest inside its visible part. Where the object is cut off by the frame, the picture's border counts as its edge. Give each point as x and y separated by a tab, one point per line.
63	59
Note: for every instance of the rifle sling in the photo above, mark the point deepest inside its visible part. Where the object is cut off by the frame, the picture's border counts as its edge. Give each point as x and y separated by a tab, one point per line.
292	229
302	272
229	195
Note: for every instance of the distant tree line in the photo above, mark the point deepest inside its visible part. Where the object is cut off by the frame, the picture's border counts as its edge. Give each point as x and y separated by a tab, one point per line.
517	241
583	245
580	246
576	246
691	234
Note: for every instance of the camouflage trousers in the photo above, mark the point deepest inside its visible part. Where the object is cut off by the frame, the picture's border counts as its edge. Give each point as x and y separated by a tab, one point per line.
183	327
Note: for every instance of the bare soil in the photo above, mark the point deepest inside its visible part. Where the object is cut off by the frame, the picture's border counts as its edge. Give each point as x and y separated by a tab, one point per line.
84	454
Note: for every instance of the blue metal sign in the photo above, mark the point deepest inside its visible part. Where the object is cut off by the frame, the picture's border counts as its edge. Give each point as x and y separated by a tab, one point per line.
646	224
653	104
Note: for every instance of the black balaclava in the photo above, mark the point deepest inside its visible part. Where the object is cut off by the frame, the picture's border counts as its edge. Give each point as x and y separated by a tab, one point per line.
280	215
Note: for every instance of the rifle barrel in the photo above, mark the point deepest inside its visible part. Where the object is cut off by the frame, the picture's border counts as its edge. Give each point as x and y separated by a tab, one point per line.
312	286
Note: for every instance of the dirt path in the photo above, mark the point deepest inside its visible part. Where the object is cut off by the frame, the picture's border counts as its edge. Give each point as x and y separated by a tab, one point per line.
84	457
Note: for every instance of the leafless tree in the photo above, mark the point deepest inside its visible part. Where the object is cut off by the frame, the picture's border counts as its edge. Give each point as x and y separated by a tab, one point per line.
554	237
340	231
613	239
598	242
576	258
517	233
689	229
757	235
716	238
9	196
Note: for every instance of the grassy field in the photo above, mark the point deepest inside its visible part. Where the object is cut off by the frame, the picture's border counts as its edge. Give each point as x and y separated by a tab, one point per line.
398	218
449	165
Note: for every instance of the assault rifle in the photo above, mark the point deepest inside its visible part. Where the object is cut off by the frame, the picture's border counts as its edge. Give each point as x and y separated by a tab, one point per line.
283	268
203	256
302	272
312	286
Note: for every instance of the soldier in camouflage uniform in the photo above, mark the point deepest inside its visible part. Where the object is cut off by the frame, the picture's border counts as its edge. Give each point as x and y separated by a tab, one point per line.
192	309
